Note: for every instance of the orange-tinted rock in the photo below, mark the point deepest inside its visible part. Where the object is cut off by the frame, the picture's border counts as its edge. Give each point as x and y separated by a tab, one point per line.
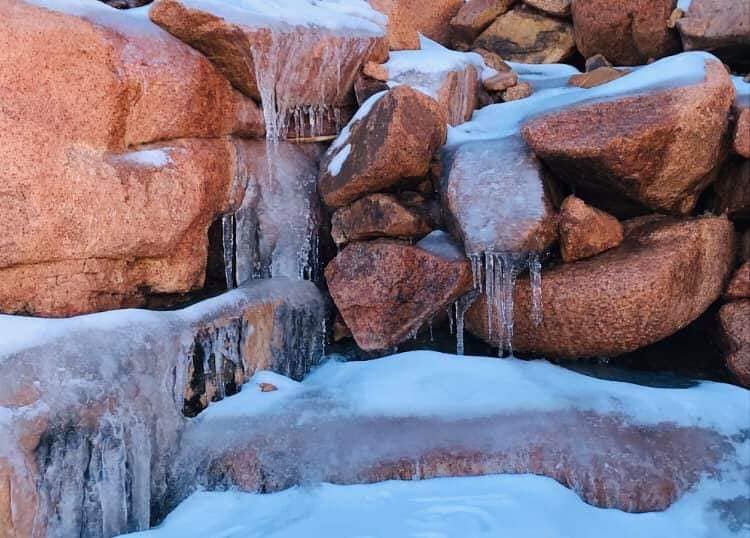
474	17
386	290
409	18
501	81
730	193
627	32
663	276
720	26
524	36
586	231
634	152
377	215
522	90
366	87
497	198
741	139
376	71
734	321
596	77
558	8
394	140
492	60
739	284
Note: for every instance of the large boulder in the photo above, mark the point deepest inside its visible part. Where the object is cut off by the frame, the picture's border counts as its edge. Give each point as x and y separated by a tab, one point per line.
497	198
474	17
730	193
626	32
525	36
91	408
393	136
657	150
663	276
721	26
300	63
586	231
734	323
386	290
409	18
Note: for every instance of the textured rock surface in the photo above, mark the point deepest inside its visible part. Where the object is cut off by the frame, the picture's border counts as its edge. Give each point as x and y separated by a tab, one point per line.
501	81
657	149
558	8
474	17
663	276
91	406
596	77
386	290
395	140
377	215
497	198
739	285
730	193
586	231
524	36
734	321
409	18
627	32
721	26
741	139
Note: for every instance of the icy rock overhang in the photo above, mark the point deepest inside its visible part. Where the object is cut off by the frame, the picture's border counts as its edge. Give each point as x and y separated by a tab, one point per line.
424	414
299	58
96	403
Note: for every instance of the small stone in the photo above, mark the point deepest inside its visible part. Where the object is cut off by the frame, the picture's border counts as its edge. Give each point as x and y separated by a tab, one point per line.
597	77
267	387
501	81
522	90
676	15
586	231
493	60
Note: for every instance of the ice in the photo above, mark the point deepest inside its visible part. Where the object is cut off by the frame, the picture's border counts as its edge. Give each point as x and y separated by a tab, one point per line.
362	112
441	244
334	167
129	22
684	5
535	273
228	249
460	308
155	158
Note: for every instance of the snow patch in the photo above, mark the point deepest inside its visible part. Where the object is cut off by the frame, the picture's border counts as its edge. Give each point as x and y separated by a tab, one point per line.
334	167
155	158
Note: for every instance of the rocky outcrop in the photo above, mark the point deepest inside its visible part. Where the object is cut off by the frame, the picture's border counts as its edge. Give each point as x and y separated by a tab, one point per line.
524	36
90	406
586	231
474	17
734	323
657	149
409	18
377	215
626	32
719	26
664	275
386	290
93	217
392	137
497	198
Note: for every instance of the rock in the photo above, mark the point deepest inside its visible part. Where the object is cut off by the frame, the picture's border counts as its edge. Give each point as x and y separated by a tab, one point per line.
730	193
633	154
720	26
522	90
376	71
743	249
558	8
501	81
627	32
386	290
106	417
377	215
409	18
586	231
739	284
340	330
474	17
497	198
366	87
527	37
676	15
734	321
625	298
267	387
492	60
596	77
307	71
596	61
741	139
394	139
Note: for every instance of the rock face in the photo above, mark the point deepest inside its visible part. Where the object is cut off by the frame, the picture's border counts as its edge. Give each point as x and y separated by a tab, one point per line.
636	152
302	74
734	322
474	17
720	26
91	217
387	290
527	37
739	284
626	32
586	231
730	193
627	297
91	406
393	138
497	198
409	18
377	215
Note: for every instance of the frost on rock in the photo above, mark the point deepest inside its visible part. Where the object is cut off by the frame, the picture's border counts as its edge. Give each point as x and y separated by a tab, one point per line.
91	407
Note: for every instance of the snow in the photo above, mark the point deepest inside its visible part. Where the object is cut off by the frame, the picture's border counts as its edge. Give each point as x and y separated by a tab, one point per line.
743	91
334	167
684	5
491	506
155	158
128	21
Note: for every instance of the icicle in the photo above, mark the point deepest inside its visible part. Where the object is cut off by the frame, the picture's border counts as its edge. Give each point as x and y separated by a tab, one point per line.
449	310
535	279
228	244
509	272
460	307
